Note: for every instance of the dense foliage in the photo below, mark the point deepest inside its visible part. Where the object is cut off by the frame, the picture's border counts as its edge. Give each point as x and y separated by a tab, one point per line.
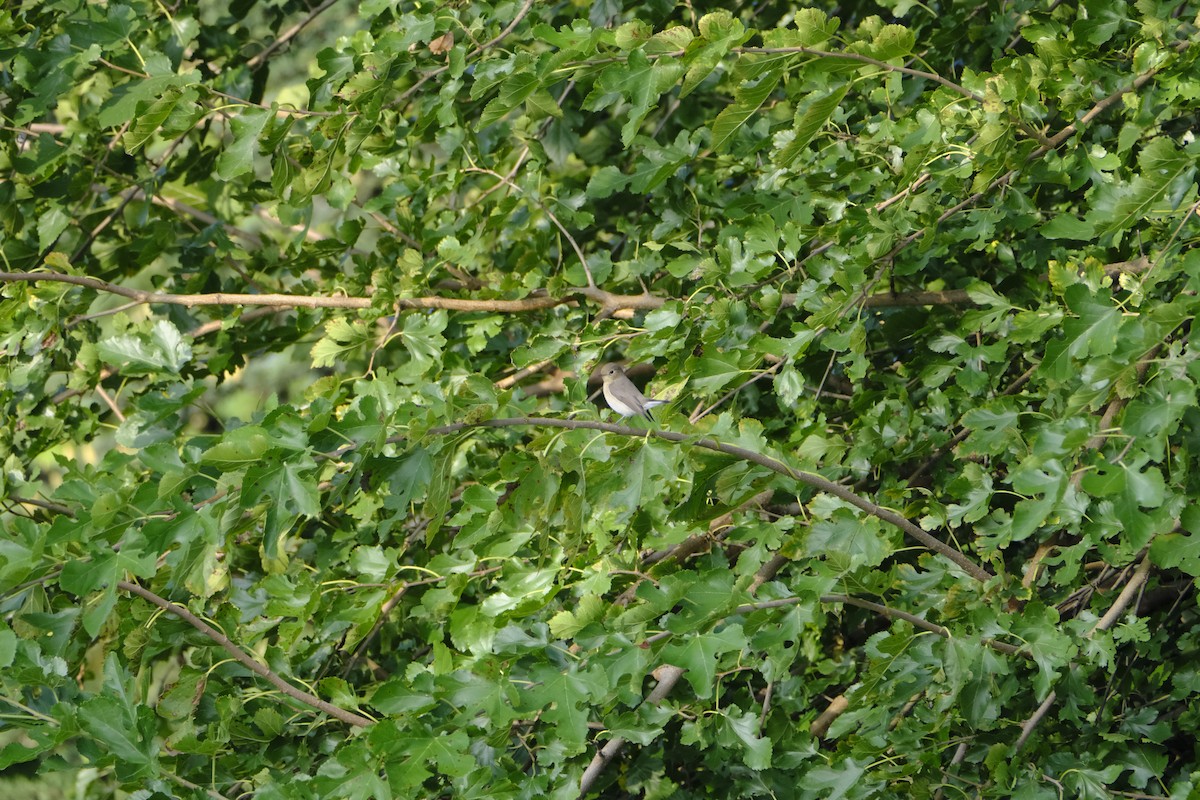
305	494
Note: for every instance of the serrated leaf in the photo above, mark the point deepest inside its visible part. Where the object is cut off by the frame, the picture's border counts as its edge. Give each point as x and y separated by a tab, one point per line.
746	101
162	349
1094	331
151	118
238	157
1119	206
719	31
713	371
893	41
808	123
605	181
238	448
700	653
1067	226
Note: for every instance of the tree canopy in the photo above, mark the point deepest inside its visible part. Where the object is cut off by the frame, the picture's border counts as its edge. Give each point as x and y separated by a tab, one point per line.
307	492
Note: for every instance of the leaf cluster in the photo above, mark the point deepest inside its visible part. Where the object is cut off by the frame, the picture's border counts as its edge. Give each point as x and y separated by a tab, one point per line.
303	492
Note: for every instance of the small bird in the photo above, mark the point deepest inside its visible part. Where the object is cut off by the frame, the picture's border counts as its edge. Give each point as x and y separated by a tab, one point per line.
622	396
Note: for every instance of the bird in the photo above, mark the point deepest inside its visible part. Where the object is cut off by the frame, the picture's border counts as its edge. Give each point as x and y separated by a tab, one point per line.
622	396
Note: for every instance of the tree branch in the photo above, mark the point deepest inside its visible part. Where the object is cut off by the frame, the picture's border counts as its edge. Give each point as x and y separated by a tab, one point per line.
433	73
240	655
1107	621
258	60
808	478
57	508
668	676
587	270
917	622
608	300
390	604
916	73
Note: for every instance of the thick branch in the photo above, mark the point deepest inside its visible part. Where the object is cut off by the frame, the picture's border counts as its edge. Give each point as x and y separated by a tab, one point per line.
608	301
1107	621
191	300
240	655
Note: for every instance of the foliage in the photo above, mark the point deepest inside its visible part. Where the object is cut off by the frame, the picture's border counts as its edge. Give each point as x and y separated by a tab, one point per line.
296	328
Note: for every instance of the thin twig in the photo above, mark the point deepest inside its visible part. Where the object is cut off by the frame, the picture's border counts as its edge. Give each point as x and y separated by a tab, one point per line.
775	465
963	433
108	401
882	610
57	508
257	61
916	73
240	655
390	604
433	73
215	795
500	37
699	415
521	374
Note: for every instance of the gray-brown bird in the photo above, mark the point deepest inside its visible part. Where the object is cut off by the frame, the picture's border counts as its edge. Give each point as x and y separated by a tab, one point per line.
622	396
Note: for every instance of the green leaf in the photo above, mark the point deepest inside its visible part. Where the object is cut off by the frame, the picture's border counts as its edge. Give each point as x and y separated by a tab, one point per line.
719	32
835	781
1180	550
513	91
81	576
8	645
605	181
108	720
1066	226
746	102
639	81
239	448
238	158
151	118
700	655
808	123
893	41
742	729
161	349
713	371
408	752
422	336
1094	331
1119	206
560	696
342	337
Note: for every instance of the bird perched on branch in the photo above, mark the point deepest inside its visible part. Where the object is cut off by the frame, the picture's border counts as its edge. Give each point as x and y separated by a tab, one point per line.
622	396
